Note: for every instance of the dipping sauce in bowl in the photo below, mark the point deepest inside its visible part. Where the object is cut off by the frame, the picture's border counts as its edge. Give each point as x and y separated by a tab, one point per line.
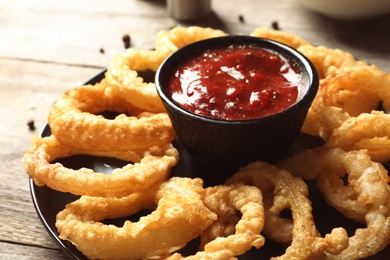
236	99
236	83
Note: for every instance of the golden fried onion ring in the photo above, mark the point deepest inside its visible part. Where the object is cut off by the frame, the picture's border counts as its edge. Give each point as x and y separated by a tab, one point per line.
225	201
347	88
179	217
280	36
368	131
329	62
170	41
122	73
330	110
125	82
366	197
278	229
291	192
150	166
73	121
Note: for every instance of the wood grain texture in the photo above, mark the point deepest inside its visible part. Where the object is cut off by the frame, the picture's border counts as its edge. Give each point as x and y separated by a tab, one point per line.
47	47
10	251
28	90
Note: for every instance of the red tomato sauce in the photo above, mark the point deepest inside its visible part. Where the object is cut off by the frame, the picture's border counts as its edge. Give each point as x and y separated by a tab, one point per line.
236	83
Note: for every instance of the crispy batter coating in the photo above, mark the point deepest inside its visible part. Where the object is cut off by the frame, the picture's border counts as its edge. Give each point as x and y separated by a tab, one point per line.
280	36
146	168
366	197
329	62
369	131
179	217
225	201
353	91
74	120
178	37
123	79
291	192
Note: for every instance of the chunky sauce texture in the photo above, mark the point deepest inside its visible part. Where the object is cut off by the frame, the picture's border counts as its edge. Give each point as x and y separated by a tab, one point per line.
236	83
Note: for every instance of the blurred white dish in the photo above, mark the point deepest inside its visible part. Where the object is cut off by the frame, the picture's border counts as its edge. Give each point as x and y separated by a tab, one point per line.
349	9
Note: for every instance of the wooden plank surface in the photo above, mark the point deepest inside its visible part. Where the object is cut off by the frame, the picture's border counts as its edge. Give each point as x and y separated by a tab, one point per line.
31	89
45	31
47	47
10	251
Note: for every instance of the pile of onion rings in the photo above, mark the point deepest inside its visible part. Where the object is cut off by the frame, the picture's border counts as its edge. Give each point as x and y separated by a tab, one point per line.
290	192
139	137
365	198
225	201
243	211
349	114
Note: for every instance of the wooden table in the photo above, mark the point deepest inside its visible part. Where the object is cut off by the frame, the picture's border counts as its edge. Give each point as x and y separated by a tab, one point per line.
47	47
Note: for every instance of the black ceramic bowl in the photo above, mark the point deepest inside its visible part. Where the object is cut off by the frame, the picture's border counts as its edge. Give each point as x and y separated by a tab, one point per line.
230	144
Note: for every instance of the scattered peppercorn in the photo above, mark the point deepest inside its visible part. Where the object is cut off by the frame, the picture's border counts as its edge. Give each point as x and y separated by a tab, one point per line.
275	25
126	41
241	18
31	125
101	50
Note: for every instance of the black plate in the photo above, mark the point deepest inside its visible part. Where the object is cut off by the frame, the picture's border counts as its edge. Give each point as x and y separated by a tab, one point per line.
49	202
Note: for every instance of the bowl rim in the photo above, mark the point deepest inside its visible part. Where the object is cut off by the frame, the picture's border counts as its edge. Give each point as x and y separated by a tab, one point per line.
222	41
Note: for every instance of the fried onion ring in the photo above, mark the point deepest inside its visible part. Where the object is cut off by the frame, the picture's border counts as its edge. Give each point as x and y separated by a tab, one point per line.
280	36
122	73
150	166
348	87
344	96
179	217
358	133
370	80
178	37
323	118
366	197
225	201
278	229
355	131
329	62
125	82
73	121
292	192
